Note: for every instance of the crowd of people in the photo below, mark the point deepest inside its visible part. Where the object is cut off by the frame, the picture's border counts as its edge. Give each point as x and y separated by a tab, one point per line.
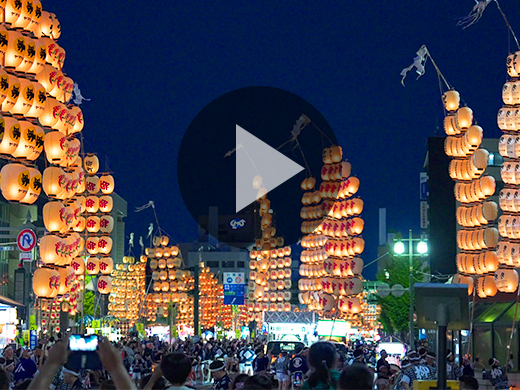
149	364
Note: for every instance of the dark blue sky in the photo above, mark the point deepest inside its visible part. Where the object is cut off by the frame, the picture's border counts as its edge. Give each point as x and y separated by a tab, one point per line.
150	69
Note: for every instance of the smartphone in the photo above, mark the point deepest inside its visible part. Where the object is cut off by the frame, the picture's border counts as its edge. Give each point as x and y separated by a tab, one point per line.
83	343
298	378
83	352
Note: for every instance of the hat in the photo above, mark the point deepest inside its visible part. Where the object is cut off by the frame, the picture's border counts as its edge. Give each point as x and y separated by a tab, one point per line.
432	355
69	371
405	364
358	353
414	356
217	365
492	361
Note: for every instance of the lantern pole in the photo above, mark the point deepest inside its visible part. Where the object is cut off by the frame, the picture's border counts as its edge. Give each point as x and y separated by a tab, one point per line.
410	264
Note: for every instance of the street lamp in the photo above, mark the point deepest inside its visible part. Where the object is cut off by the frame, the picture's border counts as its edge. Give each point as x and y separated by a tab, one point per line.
422	250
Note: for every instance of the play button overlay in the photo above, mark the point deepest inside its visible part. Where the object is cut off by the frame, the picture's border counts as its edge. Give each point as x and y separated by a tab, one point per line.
259	168
243	144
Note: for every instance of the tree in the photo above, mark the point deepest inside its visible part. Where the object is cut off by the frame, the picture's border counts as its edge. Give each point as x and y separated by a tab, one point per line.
395	311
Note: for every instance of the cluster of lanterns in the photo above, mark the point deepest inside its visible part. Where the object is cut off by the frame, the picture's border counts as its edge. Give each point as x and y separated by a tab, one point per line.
270	273
50	310
330	270
128	289
478	262
213	312
170	283
31	81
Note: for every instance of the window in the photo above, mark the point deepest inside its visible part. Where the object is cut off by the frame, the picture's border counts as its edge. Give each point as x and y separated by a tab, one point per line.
212	264
241	264
228	264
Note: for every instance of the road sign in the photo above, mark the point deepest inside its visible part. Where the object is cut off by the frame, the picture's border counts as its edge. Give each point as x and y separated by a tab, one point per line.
234	278
234	288
26	256
6	248
26	240
238	300
33	338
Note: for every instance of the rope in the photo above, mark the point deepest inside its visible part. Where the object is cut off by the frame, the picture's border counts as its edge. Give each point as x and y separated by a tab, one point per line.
507	24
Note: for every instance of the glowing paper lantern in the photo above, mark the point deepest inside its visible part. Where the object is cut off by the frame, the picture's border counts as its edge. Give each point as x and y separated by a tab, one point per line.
35	186
106	265
14	181
105	284
46	282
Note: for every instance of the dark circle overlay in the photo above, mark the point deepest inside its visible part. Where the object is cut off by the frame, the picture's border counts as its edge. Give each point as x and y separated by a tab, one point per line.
207	179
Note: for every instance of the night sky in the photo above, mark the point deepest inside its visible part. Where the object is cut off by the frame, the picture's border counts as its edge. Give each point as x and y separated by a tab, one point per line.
150	69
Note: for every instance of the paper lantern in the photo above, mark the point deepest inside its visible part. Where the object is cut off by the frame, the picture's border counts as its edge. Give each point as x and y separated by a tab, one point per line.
464	118
104	284
92	224
25	99
106	265
92	245
39	136
16	49
56	146
92	204
35	186
14	181
92	184
29	55
106	224
451	100
92	265
78	265
51	249
46	282
11	135
506	280
105	245
12	93
91	164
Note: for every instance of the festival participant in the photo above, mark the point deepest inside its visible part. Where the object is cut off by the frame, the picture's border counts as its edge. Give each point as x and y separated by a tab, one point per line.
282	370
219	374
453	371
26	368
497	374
261	362
417	371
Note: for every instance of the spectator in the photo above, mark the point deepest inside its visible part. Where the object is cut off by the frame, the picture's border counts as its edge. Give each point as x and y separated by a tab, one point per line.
238	382
356	377
453	371
26	368
4	380
467	382
322	359
160	383
282	371
258	382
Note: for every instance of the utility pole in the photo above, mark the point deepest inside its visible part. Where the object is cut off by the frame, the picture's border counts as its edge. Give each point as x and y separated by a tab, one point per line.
196	272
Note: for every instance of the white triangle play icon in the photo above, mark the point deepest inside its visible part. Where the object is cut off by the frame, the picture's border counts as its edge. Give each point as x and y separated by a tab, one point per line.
255	158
